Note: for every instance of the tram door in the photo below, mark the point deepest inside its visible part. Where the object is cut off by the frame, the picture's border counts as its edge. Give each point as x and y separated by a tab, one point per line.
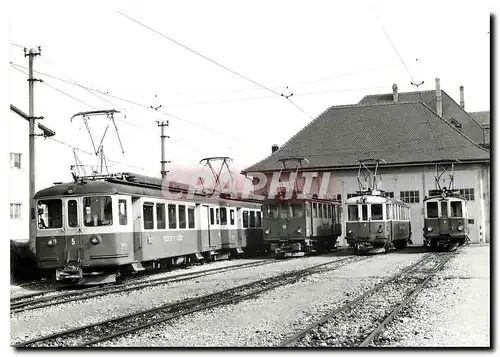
443	220
72	224
205	226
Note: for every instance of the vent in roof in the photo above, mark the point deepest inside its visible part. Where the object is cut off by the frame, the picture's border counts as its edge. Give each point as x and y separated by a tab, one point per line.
456	123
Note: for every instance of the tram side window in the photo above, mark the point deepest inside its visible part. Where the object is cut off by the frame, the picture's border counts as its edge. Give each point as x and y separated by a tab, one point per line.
352	213
320	210
245	219
72	213
160	216
223	216
329	211
364	212
252	219
272	211
258	219
325	215
308	209
97	211
315	210
182	216
388	211
191	223
147	215
231	216
444	209
122	212
217	216
297	210
172	217
212	216
456	209
377	212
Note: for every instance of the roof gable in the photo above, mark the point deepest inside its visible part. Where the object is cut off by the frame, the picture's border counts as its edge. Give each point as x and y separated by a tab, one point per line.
398	132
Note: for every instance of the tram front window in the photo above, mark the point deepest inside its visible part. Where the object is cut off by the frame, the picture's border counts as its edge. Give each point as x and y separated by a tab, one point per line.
377	214
297	210
49	214
364	212
97	211
352	212
432	210
272	211
283	211
456	209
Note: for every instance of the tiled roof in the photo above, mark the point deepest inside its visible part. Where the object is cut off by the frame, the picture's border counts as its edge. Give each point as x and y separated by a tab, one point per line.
481	117
400	133
451	110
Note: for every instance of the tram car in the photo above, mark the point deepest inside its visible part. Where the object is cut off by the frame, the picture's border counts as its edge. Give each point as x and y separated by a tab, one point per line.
375	222
93	230
446	220
295	227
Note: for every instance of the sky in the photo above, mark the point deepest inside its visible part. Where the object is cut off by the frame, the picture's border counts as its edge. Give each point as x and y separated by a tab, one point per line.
325	53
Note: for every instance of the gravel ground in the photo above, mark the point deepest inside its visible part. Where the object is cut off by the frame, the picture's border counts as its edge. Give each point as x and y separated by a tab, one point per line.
36	323
452	311
275	315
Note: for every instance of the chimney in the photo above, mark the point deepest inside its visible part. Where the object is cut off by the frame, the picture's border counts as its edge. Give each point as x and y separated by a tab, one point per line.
395	92
439	100
462	102
274	148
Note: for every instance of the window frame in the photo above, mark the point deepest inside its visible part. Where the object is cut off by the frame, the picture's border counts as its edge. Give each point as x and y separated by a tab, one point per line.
152	206
13	160
111	221
163	215
172	219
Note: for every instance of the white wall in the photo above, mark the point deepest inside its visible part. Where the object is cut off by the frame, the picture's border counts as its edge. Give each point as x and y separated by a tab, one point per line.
18	179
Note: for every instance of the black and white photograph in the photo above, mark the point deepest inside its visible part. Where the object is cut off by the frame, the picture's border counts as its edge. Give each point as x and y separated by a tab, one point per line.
282	175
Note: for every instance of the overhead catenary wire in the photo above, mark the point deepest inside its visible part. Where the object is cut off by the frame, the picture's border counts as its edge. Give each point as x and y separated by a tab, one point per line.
150	131
214	62
238	139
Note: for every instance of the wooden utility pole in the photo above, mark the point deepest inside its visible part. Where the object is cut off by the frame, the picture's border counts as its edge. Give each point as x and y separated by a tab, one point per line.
32	53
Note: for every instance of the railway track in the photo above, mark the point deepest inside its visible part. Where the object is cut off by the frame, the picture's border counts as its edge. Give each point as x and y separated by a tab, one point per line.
33	301
358	322
93	334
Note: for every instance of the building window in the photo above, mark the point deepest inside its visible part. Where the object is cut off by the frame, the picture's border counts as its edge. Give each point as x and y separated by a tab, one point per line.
467	193
409	196
15	160
15	211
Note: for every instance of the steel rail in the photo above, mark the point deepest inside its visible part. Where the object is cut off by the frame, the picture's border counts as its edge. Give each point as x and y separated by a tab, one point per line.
396	310
269	282
297	336
19	305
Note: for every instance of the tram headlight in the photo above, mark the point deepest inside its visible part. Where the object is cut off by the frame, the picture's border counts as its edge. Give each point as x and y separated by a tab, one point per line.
349	231
299	230
95	240
380	230
268	231
460	228
429	229
52	242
